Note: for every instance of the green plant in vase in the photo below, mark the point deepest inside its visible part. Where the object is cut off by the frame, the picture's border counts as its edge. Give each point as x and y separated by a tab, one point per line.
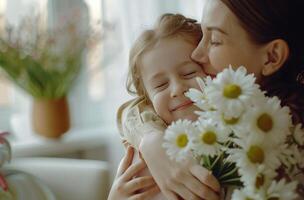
44	63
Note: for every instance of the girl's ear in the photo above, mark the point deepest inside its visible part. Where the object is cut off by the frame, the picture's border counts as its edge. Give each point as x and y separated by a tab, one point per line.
276	54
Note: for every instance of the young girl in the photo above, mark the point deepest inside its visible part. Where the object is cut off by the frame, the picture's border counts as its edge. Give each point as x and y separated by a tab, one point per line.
264	36
161	70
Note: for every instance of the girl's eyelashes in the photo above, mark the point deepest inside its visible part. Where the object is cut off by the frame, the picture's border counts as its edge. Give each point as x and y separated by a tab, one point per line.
190	74
161	85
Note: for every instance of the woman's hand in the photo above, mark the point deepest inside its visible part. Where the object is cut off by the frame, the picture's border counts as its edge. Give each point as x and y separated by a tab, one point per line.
186	180
126	187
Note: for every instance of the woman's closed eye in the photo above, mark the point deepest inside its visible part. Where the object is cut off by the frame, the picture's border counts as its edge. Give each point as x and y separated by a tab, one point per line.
215	42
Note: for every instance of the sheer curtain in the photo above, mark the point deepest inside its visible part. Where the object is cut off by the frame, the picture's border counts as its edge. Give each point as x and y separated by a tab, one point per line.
137	15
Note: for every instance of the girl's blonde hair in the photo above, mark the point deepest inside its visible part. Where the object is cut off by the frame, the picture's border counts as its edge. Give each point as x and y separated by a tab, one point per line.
169	25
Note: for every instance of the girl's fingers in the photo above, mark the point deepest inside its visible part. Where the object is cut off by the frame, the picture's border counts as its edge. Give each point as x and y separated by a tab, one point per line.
139	183
205	177
133	170
146	194
126	161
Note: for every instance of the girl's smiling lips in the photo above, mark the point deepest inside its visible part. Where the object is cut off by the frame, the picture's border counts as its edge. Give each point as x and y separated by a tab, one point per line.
182	106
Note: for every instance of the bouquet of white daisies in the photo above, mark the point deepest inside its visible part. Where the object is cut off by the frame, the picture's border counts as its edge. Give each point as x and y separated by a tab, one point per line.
246	139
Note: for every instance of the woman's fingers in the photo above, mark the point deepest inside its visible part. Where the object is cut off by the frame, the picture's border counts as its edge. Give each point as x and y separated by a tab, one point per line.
139	183
146	194
183	192
197	188
133	170
126	161
205	177
170	195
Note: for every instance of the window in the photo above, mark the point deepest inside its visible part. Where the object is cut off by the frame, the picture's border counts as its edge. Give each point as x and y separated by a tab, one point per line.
100	88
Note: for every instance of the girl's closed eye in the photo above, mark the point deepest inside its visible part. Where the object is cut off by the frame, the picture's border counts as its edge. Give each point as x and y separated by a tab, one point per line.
190	75
160	85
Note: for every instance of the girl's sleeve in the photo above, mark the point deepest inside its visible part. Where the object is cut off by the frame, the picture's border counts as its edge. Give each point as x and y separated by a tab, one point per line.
136	118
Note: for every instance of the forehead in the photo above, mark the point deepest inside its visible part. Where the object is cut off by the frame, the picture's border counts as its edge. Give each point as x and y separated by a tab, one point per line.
166	53
217	14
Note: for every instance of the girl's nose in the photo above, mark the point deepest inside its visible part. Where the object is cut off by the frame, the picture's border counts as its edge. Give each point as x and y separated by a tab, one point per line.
178	89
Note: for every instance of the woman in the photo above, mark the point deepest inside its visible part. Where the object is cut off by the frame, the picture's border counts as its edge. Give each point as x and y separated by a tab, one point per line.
267	38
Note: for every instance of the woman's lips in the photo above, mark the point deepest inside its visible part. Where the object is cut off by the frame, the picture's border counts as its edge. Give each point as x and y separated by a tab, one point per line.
182	106
211	75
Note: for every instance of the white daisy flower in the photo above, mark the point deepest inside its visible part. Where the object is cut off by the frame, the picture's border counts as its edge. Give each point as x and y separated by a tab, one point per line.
282	190
290	155
253	152
231	91
244	194
176	139
231	124
201	83
198	96
299	134
269	120
256	180
207	138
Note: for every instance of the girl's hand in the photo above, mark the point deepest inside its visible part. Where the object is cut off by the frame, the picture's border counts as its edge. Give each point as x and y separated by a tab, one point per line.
177	180
126	187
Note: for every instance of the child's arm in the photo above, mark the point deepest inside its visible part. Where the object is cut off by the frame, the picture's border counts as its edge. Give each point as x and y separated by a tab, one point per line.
125	186
144	130
186	179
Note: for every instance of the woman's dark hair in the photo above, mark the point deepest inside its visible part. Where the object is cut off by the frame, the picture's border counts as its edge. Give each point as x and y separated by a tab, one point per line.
267	20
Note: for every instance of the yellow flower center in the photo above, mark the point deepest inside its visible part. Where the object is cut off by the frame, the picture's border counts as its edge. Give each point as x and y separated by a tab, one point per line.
259	181
231	121
265	122
182	140
256	154
208	137
232	91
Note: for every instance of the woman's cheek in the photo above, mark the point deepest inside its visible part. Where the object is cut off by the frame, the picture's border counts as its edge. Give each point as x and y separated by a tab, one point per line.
218	61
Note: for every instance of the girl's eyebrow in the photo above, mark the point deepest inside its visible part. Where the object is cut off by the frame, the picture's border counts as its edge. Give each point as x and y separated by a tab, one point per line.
155	76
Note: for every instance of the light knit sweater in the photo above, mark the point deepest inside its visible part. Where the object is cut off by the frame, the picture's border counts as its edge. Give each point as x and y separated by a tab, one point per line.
136	117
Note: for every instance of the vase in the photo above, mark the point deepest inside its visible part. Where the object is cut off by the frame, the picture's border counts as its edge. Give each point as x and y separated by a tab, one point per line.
50	118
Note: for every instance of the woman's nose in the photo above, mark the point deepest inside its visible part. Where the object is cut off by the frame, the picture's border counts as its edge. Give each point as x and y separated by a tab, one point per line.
200	54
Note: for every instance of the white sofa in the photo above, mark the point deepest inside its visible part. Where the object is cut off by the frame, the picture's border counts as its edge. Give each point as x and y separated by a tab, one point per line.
68	179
